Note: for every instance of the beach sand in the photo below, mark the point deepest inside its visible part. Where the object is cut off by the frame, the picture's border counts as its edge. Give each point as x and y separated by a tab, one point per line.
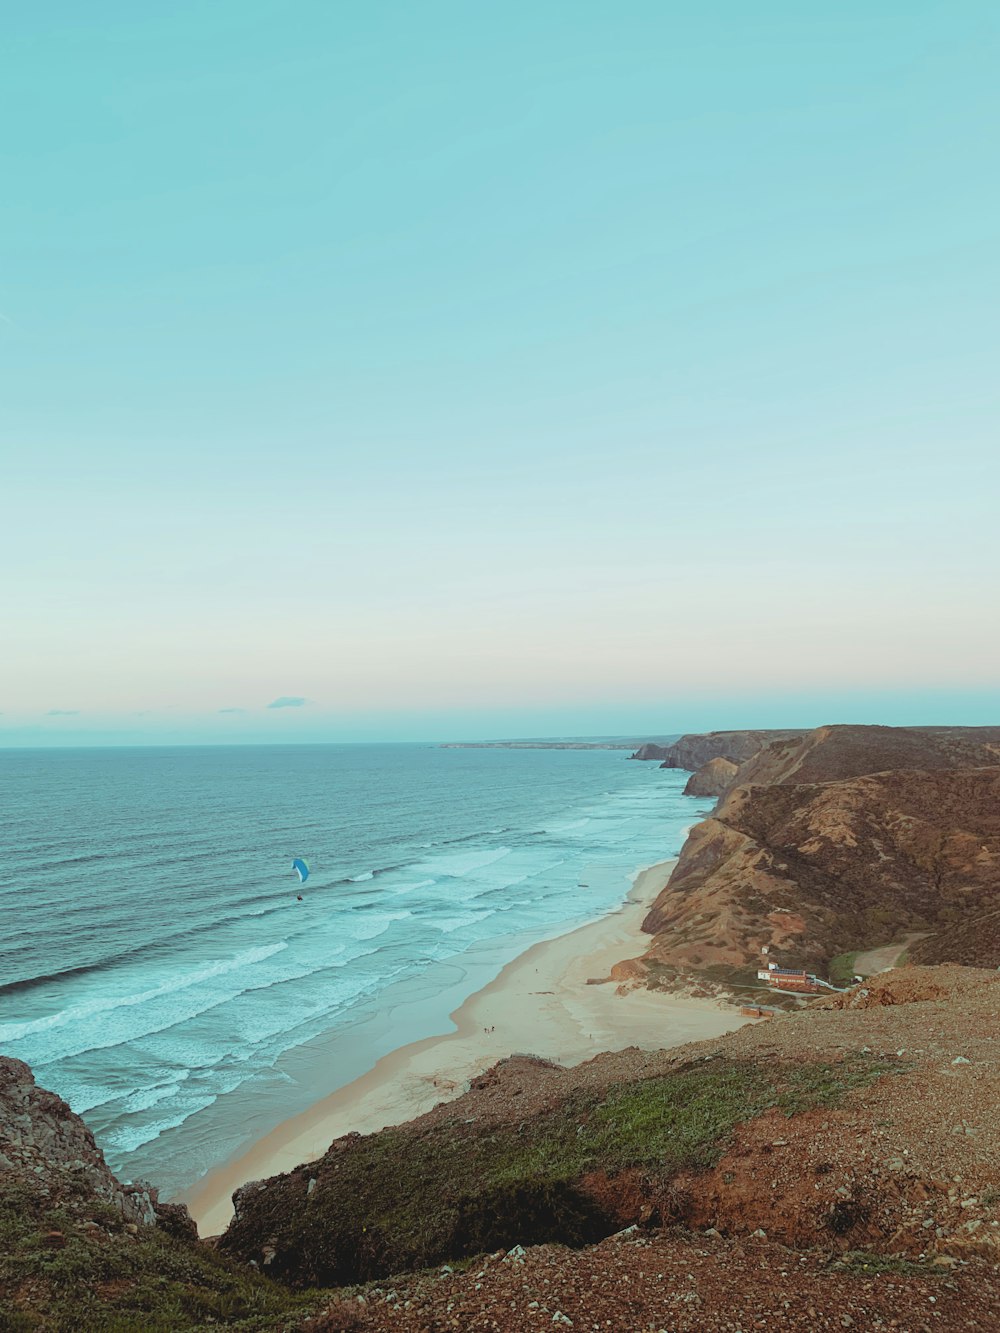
540	1003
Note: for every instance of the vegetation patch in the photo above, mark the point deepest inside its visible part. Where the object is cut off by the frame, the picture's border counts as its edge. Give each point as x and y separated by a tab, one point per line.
841	968
79	1266
402	1200
862	1263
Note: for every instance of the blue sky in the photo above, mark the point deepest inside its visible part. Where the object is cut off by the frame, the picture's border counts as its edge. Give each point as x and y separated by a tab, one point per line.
458	368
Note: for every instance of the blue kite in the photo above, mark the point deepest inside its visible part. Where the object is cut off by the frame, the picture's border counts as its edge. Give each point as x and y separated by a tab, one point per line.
301	869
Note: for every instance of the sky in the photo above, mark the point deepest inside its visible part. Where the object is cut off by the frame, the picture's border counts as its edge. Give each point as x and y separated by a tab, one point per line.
436	371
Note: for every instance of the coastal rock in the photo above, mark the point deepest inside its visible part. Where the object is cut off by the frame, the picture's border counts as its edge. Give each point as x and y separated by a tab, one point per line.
712	779
651	751
83	1250
43	1142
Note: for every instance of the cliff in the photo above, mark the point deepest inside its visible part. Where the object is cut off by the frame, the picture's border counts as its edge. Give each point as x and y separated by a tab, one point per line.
692	751
41	1140
81	1250
712	779
778	749
871	1122
833	842
651	750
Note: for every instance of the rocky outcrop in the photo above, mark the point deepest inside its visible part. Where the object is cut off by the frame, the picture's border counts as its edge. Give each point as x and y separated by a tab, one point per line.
854	750
692	751
80	1250
815	870
712	779
41	1140
651	751
834	841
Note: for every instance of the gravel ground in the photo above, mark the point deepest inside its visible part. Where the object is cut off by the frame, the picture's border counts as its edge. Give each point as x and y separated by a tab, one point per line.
676	1282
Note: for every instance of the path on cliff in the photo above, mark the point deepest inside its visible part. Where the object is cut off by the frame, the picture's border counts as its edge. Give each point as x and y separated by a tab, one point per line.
869	962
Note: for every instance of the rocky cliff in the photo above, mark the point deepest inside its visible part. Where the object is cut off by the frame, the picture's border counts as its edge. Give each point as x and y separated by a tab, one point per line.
651	750
827	844
81	1250
692	751
815	870
42	1141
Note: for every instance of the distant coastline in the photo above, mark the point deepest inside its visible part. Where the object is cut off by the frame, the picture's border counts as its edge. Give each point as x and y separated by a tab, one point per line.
615	744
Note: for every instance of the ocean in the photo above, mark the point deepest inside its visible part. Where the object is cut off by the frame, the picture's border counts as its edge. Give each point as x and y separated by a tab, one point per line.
158	971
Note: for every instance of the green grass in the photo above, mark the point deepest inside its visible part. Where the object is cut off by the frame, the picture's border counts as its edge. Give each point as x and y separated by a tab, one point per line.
864	1264
402	1200
841	968
106	1279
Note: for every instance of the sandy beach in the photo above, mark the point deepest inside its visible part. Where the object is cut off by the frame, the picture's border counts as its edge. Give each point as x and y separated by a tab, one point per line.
540	1003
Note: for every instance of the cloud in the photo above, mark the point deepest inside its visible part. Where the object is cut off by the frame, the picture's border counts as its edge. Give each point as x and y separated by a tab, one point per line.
63	712
288	701
234	710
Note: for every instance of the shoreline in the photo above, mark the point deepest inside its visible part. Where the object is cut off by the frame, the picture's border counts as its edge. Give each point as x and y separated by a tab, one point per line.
541	1002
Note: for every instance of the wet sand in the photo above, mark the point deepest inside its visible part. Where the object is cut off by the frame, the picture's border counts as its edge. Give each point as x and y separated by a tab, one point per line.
540	1003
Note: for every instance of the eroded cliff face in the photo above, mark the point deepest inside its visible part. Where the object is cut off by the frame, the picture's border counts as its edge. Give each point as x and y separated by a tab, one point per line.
712	779
812	870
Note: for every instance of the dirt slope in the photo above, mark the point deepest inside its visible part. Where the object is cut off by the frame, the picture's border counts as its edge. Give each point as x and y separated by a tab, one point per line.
874	1123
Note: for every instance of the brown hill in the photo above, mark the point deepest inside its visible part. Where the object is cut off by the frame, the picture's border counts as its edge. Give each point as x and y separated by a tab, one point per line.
815	870
831	753
974	941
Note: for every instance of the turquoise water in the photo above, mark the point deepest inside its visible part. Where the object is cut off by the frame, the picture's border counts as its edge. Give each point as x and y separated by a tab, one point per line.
158	971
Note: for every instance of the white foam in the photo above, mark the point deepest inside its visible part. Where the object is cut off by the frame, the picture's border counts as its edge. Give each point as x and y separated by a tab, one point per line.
457	864
12	1032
